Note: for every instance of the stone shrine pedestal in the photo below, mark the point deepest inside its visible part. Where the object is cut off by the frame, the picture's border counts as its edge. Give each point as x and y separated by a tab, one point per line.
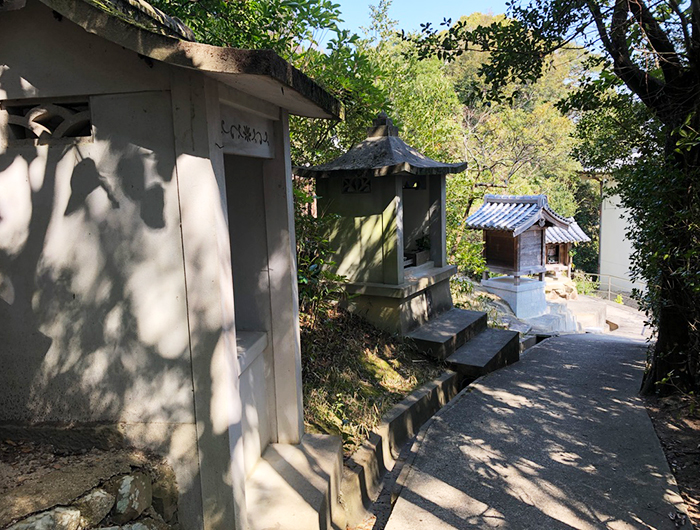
424	294
525	297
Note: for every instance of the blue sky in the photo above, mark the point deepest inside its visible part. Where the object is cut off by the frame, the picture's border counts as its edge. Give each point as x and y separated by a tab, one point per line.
411	13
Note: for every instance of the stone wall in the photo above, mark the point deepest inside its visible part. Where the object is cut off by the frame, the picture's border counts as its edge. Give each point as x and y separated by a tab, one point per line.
117	489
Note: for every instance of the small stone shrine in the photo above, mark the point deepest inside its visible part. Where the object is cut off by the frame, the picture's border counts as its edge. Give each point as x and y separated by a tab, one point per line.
389	240
514	245
559	243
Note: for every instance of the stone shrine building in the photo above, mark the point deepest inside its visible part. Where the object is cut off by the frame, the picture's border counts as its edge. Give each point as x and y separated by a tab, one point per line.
389	240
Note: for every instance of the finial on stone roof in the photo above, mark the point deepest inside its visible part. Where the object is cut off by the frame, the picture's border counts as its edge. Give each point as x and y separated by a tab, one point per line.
382	126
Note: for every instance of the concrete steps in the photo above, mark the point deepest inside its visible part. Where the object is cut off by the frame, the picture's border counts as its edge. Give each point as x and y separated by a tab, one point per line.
440	337
488	351
462	339
297	487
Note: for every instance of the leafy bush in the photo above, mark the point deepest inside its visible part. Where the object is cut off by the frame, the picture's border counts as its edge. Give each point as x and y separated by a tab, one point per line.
319	286
585	284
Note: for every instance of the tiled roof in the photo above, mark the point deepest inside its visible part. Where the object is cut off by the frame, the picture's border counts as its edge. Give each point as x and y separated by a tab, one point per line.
515	213
572	234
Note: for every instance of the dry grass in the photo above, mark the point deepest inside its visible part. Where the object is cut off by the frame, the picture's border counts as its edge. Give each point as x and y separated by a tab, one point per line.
353	374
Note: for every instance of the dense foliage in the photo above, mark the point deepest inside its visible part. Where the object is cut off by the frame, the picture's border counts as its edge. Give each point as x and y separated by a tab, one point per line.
289	27
518	145
651	55
521	145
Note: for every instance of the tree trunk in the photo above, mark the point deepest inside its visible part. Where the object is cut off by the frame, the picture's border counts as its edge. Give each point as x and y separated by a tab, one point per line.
667	370
673	363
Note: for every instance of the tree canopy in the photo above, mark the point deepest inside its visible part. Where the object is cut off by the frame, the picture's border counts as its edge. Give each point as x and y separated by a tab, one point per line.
646	96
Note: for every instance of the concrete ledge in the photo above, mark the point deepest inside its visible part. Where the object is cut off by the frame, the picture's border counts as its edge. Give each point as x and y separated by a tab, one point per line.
404	290
365	470
296	487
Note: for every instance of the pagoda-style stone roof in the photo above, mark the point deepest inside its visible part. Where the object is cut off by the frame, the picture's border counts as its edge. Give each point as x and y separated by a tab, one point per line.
141	28
383	153
515	213
572	234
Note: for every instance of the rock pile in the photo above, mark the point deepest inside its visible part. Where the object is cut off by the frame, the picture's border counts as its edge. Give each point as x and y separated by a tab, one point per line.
560	288
132	501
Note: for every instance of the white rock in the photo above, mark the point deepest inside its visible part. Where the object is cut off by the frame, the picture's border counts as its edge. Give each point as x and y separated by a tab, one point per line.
56	519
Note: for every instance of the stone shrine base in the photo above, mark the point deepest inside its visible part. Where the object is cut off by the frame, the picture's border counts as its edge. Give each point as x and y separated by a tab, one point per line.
527	299
399	309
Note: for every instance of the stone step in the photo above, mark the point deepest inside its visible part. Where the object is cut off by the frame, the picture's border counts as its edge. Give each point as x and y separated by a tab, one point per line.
488	351
297	487
440	337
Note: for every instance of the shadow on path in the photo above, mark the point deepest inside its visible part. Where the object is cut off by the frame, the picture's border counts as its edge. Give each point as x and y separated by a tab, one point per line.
558	440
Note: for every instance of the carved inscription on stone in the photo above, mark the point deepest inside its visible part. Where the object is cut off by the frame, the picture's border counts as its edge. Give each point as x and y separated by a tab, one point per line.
246	134
357	185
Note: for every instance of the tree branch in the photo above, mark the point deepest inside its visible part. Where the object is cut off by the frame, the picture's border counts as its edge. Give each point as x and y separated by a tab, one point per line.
658	40
638	81
684	23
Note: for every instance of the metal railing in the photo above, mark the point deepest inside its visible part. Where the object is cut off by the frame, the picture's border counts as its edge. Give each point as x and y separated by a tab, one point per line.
606	286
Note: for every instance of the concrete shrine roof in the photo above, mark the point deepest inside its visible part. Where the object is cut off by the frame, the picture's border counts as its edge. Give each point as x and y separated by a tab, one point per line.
515	213
382	153
138	26
572	234
144	15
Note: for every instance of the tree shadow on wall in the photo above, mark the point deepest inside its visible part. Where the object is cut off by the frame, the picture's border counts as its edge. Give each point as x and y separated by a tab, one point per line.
70	335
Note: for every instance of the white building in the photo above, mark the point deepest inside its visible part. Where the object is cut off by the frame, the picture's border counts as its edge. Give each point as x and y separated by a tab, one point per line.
615	248
147	269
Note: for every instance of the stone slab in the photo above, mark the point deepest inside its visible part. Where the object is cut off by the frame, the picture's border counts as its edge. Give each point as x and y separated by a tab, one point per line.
559	440
296	487
62	486
417	279
441	336
526	299
488	351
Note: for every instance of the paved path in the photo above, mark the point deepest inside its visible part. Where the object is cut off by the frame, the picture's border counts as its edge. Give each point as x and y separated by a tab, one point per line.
559	440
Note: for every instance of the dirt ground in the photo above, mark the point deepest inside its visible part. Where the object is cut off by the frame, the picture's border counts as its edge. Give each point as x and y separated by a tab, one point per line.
677	423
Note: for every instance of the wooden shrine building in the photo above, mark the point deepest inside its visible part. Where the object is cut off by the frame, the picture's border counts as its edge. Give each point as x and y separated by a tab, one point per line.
558	246
515	245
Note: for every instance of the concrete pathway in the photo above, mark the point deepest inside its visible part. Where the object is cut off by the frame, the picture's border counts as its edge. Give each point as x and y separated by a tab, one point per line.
559	440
